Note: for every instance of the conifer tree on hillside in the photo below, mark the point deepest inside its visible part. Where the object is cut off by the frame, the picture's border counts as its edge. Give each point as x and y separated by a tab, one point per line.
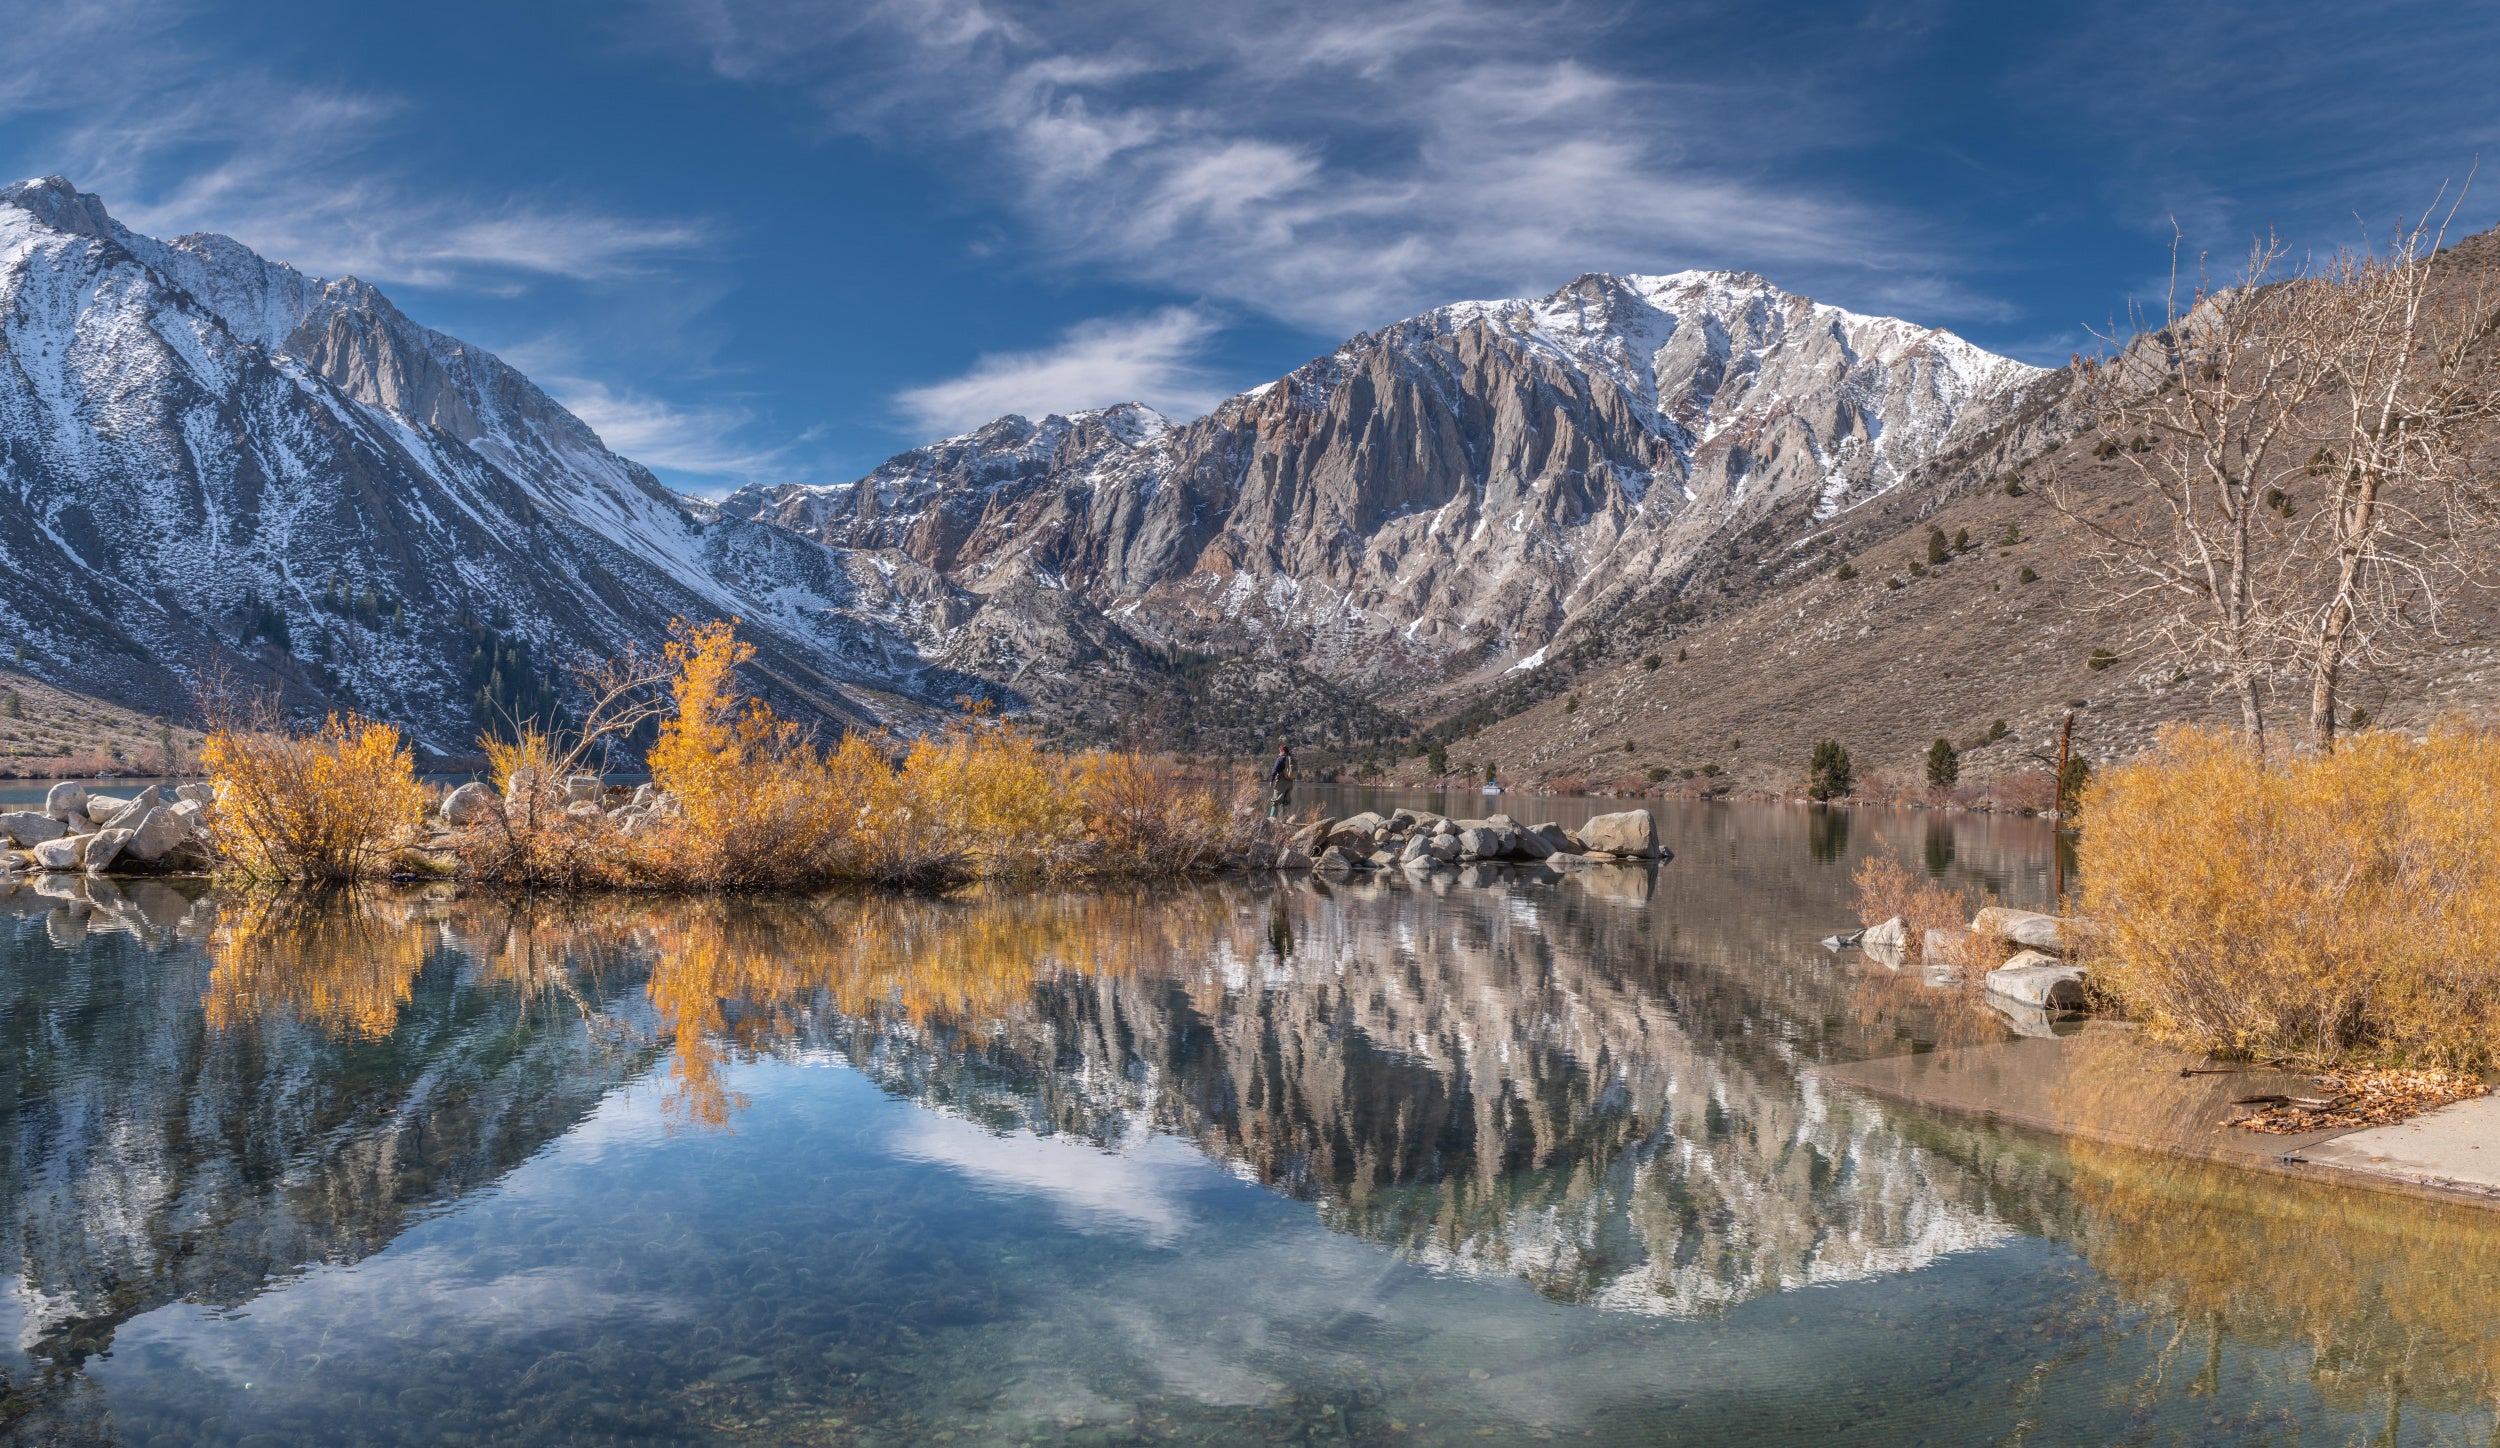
1828	775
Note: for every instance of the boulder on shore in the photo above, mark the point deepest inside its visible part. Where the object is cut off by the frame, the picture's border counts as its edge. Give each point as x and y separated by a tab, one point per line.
2034	979
61	854
160	832
472	803
1632	833
1289	858
2027	928
196	793
27	828
1891	935
129	815
66	802
1340	860
581	789
103	848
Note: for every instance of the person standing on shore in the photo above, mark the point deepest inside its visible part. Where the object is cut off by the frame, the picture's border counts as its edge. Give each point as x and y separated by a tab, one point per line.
1280	782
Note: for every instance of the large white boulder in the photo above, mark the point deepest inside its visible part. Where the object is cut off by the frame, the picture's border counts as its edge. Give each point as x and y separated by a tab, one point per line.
61	854
102	807
2034	979
129	815
1631	832
103	848
28	828
197	793
1478	841
1892	934
66	802
581	789
1556	839
2027	928
472	803
160	832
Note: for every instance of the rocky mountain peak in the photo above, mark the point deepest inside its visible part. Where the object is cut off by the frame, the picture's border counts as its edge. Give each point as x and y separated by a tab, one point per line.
61	206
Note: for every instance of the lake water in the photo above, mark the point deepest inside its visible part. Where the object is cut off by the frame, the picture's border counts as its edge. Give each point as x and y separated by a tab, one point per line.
1508	1159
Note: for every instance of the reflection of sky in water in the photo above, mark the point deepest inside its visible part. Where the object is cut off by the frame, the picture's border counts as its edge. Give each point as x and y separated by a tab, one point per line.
1360	1164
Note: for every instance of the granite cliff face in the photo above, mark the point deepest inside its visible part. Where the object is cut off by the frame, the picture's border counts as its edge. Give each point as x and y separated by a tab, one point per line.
1455	490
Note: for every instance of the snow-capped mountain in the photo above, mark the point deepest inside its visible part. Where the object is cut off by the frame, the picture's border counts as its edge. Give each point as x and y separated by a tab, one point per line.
1458	488
212	460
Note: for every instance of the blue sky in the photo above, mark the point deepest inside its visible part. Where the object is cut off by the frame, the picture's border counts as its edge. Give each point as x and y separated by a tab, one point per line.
776	240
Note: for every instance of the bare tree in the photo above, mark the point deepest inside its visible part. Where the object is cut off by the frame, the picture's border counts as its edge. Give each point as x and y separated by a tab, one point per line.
2411	401
2201	406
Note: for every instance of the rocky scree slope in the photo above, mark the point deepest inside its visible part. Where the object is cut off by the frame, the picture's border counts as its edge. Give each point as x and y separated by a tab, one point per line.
210	460
1447	496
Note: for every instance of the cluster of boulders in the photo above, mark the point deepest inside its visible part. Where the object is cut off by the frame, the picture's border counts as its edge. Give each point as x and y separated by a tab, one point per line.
79	831
577	797
1420	841
2037	977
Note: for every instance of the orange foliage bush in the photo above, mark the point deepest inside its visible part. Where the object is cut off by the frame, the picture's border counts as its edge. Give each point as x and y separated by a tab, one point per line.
332	804
1887	888
751	803
2312	908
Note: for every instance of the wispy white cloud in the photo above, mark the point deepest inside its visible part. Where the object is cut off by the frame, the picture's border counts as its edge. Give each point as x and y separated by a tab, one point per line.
177	138
1154	359
704	441
1333	165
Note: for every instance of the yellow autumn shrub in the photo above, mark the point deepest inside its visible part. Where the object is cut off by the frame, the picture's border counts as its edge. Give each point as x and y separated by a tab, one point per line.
329	804
2311	908
756	803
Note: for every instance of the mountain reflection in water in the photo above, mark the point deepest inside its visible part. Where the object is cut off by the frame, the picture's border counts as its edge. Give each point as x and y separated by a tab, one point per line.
1604	1085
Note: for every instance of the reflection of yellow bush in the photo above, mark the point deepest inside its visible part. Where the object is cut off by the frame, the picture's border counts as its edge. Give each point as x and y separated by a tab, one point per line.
341	963
332	804
2391	1293
732	977
2310	907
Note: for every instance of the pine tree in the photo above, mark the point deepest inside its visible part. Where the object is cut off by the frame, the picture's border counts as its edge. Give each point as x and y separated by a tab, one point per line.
1828	775
1437	759
1938	549
1944	764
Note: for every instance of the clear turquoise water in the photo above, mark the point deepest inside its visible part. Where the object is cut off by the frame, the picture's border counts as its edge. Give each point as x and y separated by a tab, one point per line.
1510	1161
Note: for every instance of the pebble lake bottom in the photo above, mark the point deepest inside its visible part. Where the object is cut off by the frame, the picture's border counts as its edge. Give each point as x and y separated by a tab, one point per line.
1501	1159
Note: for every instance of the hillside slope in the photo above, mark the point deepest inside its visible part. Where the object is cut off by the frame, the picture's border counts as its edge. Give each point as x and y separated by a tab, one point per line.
1759	659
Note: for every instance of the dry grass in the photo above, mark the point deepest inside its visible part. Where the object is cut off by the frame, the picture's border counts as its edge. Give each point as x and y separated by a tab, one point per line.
326	805
2321	910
